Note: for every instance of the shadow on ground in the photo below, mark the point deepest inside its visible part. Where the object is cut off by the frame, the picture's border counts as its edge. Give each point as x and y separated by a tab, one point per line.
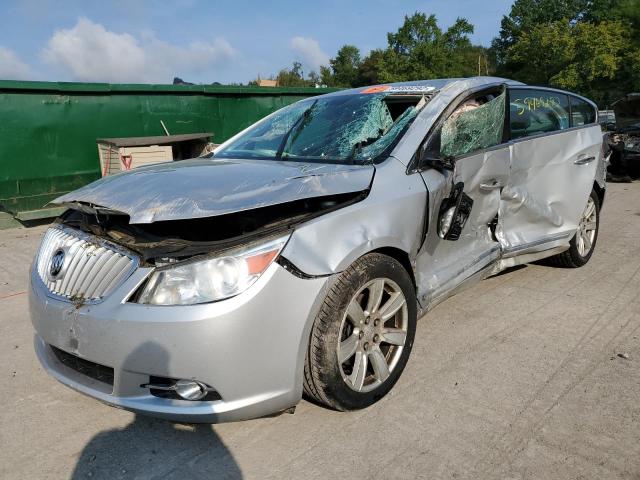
149	448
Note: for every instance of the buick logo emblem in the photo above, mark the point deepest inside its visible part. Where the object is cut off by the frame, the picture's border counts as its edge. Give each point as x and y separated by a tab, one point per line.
57	262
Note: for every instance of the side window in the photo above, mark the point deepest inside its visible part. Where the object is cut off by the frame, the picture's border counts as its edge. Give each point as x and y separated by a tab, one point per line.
582	113
532	112
476	124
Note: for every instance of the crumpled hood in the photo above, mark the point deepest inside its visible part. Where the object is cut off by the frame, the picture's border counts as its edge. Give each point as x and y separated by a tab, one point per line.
627	111
206	187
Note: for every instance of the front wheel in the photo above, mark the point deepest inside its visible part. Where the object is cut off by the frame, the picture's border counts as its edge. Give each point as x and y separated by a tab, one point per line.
583	243
362	336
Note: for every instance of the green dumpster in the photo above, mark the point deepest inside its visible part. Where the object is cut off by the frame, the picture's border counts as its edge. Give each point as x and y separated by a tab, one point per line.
48	130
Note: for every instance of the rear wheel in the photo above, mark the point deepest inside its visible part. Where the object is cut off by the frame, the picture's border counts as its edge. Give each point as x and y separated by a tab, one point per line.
583	243
362	337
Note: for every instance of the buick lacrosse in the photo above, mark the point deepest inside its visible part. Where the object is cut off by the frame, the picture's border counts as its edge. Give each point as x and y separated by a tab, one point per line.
297	257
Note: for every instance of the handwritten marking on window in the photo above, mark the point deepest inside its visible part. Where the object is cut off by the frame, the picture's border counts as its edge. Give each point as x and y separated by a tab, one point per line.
535	103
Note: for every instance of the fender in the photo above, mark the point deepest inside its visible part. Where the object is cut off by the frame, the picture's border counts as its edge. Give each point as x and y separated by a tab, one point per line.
330	243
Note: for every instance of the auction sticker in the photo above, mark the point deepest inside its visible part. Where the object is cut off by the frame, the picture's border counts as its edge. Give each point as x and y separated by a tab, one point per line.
399	89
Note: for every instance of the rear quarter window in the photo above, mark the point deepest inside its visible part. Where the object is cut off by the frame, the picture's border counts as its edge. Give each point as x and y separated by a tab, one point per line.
582	113
532	112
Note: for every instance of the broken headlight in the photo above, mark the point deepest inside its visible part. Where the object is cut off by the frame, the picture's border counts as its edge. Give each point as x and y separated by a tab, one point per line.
211	278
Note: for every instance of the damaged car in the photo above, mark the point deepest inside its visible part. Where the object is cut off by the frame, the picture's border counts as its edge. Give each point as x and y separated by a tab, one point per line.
623	139
298	257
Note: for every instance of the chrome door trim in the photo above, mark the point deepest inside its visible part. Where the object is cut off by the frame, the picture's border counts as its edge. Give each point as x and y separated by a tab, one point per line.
538	245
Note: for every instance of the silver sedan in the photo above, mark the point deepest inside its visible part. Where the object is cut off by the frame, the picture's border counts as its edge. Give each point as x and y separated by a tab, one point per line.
298	256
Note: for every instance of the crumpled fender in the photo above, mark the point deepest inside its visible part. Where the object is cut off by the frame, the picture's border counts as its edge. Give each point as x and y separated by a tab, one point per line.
330	243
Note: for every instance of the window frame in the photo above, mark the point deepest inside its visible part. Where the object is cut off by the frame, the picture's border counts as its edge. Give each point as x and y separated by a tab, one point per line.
418	163
587	102
569	95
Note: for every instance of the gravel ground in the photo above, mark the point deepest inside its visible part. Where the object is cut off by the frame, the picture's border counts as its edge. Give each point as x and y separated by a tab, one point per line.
534	373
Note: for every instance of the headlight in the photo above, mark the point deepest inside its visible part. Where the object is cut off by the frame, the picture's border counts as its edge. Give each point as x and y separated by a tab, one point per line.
207	279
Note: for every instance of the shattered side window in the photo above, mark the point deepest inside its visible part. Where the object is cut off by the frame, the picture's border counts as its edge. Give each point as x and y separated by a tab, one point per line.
473	127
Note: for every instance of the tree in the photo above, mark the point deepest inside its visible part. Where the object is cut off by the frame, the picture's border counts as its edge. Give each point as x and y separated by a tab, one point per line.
582	57
526	14
293	77
326	76
420	49
370	67
588	46
314	79
345	66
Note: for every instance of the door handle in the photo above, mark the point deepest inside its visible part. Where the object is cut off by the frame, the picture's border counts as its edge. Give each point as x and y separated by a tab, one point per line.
584	160
491	184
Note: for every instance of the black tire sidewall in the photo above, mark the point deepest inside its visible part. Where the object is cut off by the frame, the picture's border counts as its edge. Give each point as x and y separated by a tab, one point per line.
578	259
365	269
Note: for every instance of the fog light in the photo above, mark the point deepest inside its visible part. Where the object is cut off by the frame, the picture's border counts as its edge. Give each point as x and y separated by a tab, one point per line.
181	389
190	389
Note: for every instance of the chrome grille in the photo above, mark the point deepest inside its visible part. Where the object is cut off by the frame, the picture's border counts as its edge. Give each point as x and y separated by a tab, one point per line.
91	269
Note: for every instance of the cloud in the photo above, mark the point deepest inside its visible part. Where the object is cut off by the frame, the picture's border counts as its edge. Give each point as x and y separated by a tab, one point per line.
310	52
91	53
11	67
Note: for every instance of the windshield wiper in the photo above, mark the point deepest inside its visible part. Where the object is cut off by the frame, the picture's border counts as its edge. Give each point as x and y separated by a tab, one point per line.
304	117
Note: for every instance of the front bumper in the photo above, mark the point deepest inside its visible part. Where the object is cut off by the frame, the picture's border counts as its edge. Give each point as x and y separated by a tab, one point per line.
249	348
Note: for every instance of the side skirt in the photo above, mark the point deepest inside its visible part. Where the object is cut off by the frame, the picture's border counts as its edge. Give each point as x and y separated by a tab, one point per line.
495	266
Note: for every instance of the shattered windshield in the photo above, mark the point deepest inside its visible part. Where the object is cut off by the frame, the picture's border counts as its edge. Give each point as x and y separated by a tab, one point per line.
343	128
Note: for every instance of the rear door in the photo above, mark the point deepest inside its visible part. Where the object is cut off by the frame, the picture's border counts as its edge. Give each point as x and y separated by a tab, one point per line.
554	156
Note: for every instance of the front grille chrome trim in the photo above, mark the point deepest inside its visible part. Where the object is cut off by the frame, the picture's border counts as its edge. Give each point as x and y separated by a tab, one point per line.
93	269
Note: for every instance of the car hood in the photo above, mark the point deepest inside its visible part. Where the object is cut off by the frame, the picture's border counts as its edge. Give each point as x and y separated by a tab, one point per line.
206	187
627	111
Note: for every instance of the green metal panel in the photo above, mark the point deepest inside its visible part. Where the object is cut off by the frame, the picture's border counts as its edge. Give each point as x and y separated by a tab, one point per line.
48	130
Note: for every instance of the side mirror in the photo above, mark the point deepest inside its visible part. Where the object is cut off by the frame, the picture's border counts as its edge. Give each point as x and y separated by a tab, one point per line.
445	163
454	212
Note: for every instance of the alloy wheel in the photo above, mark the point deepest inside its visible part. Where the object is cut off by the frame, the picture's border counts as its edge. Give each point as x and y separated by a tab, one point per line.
586	233
372	334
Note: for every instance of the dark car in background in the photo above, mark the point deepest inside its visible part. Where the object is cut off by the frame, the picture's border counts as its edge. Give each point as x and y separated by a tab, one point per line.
623	139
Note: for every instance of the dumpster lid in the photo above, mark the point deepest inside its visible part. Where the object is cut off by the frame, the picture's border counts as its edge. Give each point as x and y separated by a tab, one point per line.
157	140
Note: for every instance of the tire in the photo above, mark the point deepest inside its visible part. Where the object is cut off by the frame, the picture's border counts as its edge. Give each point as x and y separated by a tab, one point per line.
359	379
578	254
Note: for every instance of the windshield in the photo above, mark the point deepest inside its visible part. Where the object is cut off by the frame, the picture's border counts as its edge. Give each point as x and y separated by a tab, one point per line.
342	128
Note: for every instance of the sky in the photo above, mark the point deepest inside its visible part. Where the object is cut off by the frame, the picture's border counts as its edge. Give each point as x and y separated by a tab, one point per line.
151	41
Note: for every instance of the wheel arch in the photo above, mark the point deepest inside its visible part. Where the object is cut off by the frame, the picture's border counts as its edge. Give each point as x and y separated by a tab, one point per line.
600	191
401	256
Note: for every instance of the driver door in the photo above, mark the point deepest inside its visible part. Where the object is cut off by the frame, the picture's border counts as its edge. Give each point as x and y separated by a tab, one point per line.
465	163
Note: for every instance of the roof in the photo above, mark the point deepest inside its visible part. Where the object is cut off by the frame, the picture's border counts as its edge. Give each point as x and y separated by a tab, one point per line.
434	85
159	140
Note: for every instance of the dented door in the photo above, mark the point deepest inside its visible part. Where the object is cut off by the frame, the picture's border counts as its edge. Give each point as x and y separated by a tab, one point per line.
472	138
553	168
442	264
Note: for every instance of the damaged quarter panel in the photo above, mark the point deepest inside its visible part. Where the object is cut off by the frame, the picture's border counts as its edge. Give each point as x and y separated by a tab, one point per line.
391	216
